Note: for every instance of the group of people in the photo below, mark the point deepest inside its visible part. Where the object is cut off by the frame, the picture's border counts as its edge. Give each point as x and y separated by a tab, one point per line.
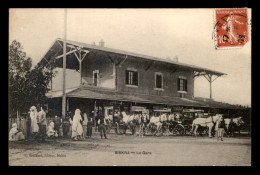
81	127
37	123
77	126
36	126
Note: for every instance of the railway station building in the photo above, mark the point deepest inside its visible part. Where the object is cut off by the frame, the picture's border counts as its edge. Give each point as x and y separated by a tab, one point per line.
98	77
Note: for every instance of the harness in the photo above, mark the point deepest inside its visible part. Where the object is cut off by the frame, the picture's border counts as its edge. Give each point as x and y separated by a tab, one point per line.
209	122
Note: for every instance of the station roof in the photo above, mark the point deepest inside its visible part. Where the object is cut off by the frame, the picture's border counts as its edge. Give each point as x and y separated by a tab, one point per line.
216	104
98	93
57	47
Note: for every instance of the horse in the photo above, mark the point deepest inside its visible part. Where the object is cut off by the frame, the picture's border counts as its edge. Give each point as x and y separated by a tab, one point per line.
205	122
146	119
142	124
164	119
129	121
141	120
126	122
155	122
134	122
233	125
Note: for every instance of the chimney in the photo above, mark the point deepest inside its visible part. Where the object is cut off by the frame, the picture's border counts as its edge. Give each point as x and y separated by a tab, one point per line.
94	43
101	43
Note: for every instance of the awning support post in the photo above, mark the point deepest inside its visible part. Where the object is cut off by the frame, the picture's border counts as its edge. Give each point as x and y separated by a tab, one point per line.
80	59
210	86
80	68
209	78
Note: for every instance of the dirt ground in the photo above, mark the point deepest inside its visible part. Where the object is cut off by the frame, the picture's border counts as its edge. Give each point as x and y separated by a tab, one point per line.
119	150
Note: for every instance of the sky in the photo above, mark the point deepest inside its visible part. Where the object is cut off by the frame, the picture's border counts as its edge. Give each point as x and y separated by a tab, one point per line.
182	33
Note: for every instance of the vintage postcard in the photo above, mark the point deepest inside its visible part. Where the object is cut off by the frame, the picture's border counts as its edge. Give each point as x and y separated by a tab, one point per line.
129	87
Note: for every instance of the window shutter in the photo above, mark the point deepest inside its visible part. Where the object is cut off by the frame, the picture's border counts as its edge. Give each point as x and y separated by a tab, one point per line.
135	78
185	85
157	81
178	84
161	82
126	77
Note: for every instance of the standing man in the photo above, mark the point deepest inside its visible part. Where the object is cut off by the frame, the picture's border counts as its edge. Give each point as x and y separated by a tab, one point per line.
84	124
66	126
102	126
89	126
28	126
42	123
57	124
220	128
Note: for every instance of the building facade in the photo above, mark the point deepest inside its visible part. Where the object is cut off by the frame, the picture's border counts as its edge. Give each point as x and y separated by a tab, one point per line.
97	77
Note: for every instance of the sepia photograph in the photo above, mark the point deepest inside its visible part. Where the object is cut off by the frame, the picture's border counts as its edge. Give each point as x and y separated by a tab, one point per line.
129	87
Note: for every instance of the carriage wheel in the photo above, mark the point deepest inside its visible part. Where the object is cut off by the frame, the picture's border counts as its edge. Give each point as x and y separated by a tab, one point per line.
121	129
179	130
153	130
159	132
188	130
149	130
171	129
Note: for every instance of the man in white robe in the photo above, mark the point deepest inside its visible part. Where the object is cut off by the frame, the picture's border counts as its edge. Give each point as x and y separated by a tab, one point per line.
77	129
33	116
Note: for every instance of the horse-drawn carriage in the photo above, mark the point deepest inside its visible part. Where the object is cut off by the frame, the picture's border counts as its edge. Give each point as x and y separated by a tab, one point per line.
138	120
135	121
161	122
164	121
185	121
113	119
121	121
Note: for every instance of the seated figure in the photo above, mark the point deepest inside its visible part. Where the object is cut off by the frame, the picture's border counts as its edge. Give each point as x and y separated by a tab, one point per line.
50	131
14	134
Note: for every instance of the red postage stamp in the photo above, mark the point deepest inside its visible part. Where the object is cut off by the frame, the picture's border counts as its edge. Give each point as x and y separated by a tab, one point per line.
231	28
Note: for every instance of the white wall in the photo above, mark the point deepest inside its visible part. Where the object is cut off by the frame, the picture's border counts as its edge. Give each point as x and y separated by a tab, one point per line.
72	79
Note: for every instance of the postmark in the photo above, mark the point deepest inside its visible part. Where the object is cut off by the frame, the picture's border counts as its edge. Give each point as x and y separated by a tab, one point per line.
231	28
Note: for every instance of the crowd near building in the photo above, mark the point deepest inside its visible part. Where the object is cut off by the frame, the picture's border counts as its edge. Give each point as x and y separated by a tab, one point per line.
103	81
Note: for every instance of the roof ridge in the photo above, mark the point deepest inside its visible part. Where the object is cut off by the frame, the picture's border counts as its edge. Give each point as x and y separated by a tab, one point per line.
107	49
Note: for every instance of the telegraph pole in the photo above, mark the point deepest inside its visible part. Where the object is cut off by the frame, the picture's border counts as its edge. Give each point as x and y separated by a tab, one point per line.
64	68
